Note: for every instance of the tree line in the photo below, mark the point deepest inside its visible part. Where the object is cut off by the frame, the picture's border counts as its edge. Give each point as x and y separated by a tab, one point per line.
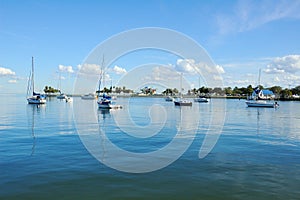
228	91
237	91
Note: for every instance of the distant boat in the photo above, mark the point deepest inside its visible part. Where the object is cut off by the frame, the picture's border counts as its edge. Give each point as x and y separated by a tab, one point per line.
62	96
180	101
168	98
201	99
36	98
89	96
68	99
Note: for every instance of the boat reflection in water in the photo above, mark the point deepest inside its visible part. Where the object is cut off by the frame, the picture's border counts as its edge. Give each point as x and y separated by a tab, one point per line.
33	112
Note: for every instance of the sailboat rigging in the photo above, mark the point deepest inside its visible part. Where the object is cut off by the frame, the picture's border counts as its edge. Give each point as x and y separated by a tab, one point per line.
36	98
180	101
259	96
104	101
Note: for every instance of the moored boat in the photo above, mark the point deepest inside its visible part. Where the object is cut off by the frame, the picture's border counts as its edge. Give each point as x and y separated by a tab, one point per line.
62	96
201	99
168	98
36	98
262	103
89	96
182	102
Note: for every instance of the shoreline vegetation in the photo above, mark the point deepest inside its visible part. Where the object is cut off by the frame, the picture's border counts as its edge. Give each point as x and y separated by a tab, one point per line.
185	96
292	94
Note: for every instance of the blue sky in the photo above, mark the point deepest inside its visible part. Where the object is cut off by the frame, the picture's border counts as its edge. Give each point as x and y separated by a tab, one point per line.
240	36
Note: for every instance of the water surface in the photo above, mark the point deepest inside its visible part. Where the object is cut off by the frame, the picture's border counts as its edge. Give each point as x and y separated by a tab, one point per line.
42	157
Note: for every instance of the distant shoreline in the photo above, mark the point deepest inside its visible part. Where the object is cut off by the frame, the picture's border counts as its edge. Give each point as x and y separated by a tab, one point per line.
185	96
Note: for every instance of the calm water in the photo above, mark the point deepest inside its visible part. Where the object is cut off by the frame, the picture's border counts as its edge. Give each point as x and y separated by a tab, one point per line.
257	155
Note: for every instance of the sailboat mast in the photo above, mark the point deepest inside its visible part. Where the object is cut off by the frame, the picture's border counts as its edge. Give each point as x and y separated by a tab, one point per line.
101	76
32	75
259	74
181	89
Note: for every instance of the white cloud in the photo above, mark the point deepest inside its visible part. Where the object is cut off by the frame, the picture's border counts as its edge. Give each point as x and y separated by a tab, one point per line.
191	67
119	70
220	69
248	15
186	65
240	82
162	73
6	72
285	64
277	79
63	68
89	69
12	81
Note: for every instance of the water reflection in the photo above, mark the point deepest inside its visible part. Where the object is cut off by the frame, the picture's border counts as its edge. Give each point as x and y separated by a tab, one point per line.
33	111
103	113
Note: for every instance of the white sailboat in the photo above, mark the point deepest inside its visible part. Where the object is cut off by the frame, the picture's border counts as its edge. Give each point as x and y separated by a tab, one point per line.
201	99
104	101
36	98
180	101
261	98
61	96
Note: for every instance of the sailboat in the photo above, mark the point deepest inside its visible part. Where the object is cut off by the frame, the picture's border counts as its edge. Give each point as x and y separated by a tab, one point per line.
62	96
180	101
201	99
104	101
258	97
36	98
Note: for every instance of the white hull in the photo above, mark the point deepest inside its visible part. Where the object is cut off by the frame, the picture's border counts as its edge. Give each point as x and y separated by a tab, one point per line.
88	97
68	99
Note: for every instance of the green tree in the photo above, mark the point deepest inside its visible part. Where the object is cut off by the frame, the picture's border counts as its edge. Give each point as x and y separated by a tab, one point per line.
204	90
49	89
276	89
249	90
175	91
296	90
286	93
228	90
168	91
236	91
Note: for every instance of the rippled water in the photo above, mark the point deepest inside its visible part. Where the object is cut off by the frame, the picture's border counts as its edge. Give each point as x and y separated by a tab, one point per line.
257	156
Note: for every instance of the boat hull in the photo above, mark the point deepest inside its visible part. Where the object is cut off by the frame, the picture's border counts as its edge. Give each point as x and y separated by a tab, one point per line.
183	103
201	100
62	96
169	99
36	101
261	104
108	105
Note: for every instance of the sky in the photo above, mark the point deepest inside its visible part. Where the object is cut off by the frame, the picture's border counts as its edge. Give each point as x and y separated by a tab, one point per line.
241	37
